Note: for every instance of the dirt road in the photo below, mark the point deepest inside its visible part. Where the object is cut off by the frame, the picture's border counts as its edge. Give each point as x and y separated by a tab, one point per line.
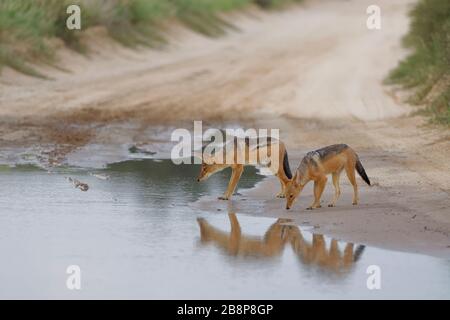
314	71
315	61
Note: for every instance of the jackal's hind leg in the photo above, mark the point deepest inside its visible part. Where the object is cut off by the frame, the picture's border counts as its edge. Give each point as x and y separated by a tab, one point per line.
337	189
282	193
284	181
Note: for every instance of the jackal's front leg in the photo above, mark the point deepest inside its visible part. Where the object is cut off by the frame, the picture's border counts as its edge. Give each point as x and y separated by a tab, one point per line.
319	186
235	176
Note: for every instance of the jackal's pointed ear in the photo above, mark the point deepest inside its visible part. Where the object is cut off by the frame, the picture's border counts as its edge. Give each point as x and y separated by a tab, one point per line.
297	179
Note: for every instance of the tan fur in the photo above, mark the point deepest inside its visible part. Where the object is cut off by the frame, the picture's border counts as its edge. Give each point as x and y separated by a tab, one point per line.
318	170
235	243
272	244
316	253
211	166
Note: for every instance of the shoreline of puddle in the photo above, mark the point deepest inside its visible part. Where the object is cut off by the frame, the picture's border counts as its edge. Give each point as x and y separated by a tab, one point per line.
77	165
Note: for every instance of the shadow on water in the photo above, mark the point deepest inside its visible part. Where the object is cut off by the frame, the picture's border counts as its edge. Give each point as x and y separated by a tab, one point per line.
280	234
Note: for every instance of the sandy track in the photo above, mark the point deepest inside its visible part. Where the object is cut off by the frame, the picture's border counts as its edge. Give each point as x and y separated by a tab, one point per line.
316	62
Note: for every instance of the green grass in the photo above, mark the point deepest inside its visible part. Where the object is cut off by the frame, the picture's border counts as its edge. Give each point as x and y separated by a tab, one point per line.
28	26
427	69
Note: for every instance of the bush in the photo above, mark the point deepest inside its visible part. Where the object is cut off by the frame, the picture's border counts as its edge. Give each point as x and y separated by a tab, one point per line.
428	67
27	25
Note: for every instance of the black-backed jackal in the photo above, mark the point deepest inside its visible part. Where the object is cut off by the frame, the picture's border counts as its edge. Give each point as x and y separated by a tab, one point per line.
259	149
317	164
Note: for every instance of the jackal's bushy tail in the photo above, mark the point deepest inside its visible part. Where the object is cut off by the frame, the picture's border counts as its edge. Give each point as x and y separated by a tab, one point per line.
362	172
286	168
358	252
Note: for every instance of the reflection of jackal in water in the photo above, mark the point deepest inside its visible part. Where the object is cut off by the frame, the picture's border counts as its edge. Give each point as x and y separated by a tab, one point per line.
279	234
316	253
237	244
248	152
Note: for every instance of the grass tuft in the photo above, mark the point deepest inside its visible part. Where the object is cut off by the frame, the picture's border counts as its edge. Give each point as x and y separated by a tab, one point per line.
26	26
427	69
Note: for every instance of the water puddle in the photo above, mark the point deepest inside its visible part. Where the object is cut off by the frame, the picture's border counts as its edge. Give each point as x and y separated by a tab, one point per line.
134	234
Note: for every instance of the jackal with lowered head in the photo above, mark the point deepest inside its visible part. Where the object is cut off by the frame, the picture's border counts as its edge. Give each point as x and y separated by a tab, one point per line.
317	164
265	151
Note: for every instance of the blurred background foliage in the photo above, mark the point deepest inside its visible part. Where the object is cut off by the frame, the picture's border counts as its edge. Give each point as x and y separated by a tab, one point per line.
427	69
27	26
